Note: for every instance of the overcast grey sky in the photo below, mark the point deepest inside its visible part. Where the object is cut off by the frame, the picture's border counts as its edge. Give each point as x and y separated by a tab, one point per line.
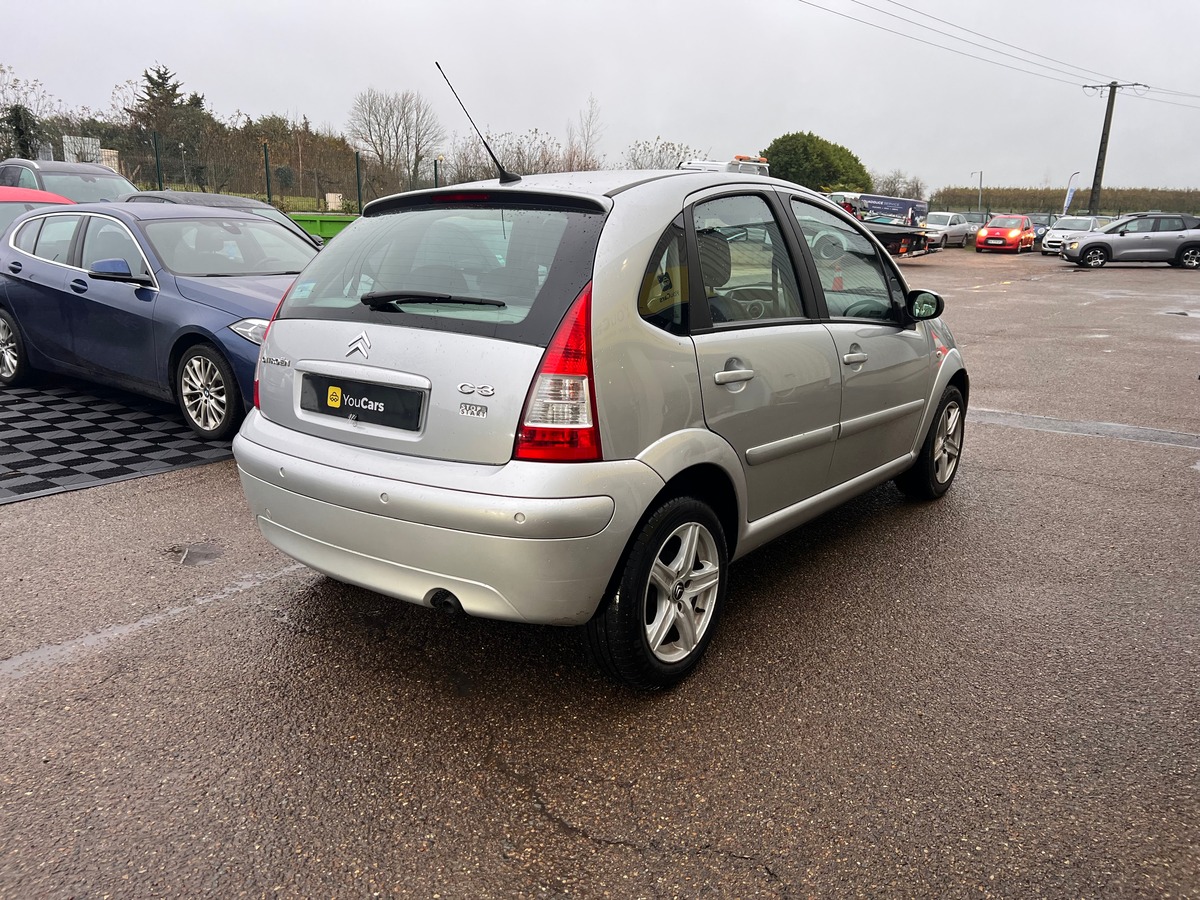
723	77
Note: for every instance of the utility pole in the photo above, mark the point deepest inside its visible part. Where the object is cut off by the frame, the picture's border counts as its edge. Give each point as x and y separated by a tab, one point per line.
1094	198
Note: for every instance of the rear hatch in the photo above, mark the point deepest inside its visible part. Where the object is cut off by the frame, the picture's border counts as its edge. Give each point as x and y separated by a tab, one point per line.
419	330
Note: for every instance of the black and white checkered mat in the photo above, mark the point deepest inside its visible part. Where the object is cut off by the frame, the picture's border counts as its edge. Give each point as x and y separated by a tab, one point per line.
62	435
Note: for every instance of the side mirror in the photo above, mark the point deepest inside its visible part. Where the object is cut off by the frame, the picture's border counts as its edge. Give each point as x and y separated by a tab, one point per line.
116	270
924	305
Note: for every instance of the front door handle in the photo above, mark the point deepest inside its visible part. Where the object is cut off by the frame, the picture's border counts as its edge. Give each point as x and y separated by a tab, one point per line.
853	359
14	267
732	376
79	286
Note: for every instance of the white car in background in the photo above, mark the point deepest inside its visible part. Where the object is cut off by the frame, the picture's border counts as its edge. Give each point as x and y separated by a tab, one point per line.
947	228
1052	240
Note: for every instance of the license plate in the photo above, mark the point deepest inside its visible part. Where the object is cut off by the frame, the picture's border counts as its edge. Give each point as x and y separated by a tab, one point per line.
995	240
360	401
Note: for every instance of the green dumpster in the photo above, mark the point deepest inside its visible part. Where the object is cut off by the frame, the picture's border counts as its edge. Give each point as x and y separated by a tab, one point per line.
323	225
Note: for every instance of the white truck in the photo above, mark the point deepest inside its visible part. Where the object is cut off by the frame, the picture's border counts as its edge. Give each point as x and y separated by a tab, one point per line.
749	165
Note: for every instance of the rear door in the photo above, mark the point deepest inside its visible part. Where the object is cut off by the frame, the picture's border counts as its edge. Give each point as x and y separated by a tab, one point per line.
36	273
768	369
884	363
1167	238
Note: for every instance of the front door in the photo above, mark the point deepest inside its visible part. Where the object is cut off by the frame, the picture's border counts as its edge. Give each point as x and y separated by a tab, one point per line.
885	364
112	321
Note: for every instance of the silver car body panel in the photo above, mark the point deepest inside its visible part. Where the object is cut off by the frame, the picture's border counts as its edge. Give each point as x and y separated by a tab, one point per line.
536	541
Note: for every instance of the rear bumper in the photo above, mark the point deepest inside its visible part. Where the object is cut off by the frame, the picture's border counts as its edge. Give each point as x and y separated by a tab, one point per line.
540	556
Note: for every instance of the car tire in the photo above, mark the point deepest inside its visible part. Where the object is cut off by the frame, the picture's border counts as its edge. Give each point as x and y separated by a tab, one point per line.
937	461
942	243
978	249
1093	258
14	363
1189	257
675	570
208	393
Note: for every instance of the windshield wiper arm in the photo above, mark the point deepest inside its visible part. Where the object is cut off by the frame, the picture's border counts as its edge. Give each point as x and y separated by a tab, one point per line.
384	300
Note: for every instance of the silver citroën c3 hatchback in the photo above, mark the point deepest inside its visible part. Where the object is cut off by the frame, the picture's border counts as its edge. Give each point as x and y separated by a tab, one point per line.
576	398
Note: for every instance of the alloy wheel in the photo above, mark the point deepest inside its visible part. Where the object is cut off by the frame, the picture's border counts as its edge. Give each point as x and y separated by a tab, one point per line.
8	351
947	444
204	393
682	592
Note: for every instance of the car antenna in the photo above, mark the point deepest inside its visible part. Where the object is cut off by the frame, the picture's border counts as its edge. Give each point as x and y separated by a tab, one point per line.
505	176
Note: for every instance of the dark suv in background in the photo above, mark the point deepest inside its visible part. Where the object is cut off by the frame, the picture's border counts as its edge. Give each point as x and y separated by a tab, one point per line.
81	182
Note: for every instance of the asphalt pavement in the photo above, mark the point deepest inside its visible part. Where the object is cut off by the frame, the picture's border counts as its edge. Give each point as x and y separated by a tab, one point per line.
994	695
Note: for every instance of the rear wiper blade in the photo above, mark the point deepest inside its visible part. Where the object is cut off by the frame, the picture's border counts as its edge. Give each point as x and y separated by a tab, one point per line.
383	300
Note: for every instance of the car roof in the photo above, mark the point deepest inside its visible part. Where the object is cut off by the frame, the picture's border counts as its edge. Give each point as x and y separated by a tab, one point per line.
195	198
671	186
144	212
56	165
28	195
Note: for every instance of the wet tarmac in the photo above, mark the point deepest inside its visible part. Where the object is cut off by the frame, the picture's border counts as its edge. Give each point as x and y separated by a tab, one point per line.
995	695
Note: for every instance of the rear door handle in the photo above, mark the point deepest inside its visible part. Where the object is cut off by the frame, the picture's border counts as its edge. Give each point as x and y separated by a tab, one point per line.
14	267
79	286
732	376
853	359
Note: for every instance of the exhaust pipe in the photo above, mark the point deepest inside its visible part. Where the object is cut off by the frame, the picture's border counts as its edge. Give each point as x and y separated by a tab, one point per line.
444	601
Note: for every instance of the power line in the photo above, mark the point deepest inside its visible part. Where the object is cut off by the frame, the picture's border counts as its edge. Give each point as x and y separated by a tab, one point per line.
955	37
930	43
987	38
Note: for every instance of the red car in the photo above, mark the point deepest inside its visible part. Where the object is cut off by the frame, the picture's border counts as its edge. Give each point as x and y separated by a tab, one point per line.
15	200
1013	233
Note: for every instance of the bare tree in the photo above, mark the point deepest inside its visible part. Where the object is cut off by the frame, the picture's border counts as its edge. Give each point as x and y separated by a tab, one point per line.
32	95
897	184
658	154
400	130
582	152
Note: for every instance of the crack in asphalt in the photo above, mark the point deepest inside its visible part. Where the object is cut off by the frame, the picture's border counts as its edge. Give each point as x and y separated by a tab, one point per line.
23	664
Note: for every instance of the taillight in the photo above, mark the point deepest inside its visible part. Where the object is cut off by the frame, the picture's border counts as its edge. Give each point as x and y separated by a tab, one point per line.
258	364
558	423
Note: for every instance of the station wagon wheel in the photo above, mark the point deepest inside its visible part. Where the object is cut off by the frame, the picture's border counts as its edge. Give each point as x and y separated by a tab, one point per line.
208	393
14	365
657	623
1189	257
937	461
1093	257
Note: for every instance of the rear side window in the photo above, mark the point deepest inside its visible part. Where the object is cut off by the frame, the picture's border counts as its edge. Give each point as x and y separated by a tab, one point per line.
509	271
663	300
27	235
54	241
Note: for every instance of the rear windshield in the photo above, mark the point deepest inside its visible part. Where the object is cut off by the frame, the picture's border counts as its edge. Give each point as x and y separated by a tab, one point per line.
86	188
9	211
508	271
204	247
